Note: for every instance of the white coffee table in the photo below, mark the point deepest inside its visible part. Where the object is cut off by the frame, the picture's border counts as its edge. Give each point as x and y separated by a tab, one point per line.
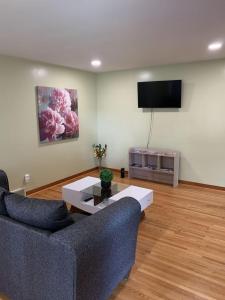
73	193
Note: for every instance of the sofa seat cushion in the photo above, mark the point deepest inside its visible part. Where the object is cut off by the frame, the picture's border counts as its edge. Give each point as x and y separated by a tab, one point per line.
45	214
3	210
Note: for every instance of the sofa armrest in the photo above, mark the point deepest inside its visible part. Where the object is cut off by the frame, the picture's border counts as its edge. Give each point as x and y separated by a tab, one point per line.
34	266
104	245
4	180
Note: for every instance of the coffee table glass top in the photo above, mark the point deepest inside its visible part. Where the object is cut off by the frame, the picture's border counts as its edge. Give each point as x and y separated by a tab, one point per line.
99	194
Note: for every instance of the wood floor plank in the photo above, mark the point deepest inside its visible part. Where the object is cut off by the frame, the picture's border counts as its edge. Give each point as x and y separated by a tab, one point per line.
181	244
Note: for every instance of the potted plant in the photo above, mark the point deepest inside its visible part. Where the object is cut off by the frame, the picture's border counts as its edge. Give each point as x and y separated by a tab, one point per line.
99	153
106	177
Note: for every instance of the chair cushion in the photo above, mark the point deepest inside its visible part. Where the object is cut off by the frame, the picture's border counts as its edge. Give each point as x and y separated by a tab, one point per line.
45	214
3	210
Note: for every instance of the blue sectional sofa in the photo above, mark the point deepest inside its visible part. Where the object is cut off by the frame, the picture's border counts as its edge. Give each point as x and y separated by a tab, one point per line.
83	261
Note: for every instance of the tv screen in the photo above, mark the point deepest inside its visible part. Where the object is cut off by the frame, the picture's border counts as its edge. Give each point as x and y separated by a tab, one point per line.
159	94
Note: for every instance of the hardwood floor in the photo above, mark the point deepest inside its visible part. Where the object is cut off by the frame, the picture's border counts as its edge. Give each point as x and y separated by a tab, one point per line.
181	244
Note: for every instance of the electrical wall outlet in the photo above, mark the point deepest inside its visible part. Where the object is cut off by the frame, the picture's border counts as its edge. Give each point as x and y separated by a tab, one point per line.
27	178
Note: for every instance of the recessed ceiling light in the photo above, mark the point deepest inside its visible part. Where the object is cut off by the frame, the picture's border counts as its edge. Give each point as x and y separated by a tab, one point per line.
215	46
96	63
145	76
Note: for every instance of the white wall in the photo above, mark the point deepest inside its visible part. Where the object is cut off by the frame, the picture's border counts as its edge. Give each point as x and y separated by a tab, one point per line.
197	130
20	151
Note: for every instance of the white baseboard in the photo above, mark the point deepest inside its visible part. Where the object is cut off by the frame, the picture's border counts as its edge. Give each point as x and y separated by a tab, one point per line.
20	191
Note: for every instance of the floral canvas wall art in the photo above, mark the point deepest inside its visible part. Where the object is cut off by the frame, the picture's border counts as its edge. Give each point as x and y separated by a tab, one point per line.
57	114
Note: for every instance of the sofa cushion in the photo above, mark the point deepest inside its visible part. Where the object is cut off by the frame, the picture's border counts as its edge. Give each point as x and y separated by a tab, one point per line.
3	210
44	214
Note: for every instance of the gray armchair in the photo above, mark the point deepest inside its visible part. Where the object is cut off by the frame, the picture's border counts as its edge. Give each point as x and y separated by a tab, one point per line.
84	261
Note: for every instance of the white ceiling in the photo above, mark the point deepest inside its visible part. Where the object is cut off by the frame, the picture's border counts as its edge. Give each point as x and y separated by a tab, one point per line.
122	33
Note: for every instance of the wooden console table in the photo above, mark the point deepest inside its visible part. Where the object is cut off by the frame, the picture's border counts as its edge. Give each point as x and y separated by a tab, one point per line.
154	164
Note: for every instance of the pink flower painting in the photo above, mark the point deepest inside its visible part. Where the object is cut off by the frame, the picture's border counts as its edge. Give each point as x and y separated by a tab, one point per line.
57	114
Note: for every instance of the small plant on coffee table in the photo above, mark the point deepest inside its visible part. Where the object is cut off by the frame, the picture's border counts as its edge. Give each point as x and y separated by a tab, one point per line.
106	177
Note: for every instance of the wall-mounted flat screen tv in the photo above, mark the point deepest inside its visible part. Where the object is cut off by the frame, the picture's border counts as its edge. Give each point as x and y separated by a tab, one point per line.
159	94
